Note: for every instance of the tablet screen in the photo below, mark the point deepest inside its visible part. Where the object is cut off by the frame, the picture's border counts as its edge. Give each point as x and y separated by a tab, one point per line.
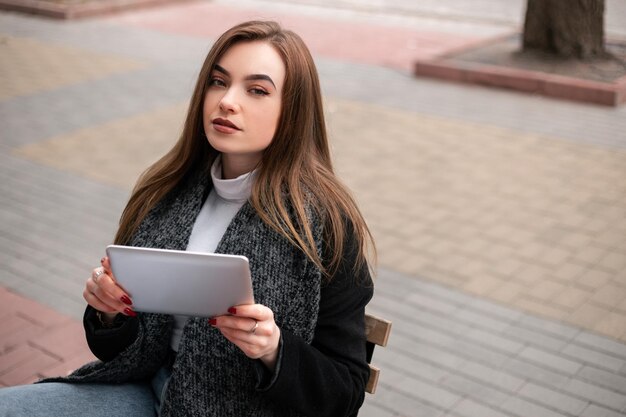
180	282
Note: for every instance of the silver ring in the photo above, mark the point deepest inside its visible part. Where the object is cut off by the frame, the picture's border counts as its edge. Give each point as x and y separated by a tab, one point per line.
97	274
253	329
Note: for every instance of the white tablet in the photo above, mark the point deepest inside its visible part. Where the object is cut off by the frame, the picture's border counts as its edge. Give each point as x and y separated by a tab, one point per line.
180	282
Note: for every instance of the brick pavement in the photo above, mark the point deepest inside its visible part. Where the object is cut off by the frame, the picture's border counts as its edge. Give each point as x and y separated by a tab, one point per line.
498	216
37	341
352	41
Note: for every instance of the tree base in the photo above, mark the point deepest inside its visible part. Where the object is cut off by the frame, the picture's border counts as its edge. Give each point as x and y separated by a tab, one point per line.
567	28
604	66
500	63
607	67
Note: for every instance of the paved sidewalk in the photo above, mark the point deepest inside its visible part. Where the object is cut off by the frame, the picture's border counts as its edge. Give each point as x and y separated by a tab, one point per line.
37	341
500	218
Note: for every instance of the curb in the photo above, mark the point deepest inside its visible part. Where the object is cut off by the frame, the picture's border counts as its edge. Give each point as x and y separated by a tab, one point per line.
445	67
82	10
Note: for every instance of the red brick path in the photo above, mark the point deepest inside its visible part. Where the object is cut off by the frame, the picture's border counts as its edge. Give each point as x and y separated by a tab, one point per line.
36	341
383	44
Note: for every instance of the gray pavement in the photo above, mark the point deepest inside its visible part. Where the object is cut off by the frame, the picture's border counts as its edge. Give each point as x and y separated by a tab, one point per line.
456	16
450	353
457	355
52	228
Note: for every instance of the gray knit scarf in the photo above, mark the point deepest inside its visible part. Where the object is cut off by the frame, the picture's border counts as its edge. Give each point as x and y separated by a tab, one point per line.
211	376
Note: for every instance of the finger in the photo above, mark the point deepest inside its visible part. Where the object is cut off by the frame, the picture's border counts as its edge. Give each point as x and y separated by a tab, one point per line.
108	293
236	335
252	345
96	272
242	324
124	297
250	348
107	283
99	305
255	311
99	292
244	327
106	264
94	301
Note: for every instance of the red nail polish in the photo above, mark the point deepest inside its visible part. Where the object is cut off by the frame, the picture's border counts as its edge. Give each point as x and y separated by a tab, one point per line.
126	300
212	322
130	312
232	310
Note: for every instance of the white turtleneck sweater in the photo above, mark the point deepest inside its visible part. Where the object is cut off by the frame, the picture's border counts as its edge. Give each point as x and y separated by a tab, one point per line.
224	201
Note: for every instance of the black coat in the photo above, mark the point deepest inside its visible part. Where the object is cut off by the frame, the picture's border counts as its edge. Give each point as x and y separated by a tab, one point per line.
321	369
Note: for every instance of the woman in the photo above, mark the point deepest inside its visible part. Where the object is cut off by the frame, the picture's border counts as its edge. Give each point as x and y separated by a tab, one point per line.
251	175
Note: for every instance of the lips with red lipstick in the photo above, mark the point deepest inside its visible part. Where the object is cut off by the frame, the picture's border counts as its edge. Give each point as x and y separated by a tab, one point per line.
224	126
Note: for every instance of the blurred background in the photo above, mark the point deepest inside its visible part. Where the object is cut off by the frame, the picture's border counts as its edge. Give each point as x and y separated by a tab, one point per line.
499	216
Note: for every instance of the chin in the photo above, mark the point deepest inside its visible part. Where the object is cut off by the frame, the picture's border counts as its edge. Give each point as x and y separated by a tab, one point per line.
218	145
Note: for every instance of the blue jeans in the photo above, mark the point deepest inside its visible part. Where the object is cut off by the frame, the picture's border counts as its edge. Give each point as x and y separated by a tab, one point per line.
140	399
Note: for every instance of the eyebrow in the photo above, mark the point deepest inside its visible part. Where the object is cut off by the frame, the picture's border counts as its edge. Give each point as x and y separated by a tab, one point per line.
218	68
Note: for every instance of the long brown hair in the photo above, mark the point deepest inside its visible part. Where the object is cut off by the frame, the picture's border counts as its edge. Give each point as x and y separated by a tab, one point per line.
295	171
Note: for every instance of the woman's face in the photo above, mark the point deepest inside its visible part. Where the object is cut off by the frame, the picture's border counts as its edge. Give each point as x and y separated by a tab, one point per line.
242	104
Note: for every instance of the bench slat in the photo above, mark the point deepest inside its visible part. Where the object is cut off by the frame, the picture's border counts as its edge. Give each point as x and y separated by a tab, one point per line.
377	330
373	380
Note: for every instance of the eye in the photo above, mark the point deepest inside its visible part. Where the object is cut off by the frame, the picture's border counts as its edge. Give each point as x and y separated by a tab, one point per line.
258	91
217	82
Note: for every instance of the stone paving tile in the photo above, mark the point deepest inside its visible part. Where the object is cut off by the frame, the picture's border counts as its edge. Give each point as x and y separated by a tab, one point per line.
376	409
471	388
599	395
31	119
435	396
596	411
526	408
117	148
492	376
539	338
554	399
594	357
29	66
470	408
601	344
606	379
549	360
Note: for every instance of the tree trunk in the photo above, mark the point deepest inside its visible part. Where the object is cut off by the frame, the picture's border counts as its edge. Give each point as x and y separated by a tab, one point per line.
569	28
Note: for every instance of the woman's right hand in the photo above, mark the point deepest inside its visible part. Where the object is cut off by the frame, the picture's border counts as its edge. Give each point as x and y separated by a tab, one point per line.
102	293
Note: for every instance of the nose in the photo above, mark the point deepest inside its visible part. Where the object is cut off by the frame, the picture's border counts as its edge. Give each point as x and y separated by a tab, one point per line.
228	103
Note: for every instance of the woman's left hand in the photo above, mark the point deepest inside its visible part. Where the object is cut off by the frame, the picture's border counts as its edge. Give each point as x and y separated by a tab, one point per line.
252	329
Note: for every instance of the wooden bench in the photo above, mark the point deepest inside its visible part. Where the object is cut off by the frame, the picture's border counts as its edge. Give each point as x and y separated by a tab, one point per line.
377	331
